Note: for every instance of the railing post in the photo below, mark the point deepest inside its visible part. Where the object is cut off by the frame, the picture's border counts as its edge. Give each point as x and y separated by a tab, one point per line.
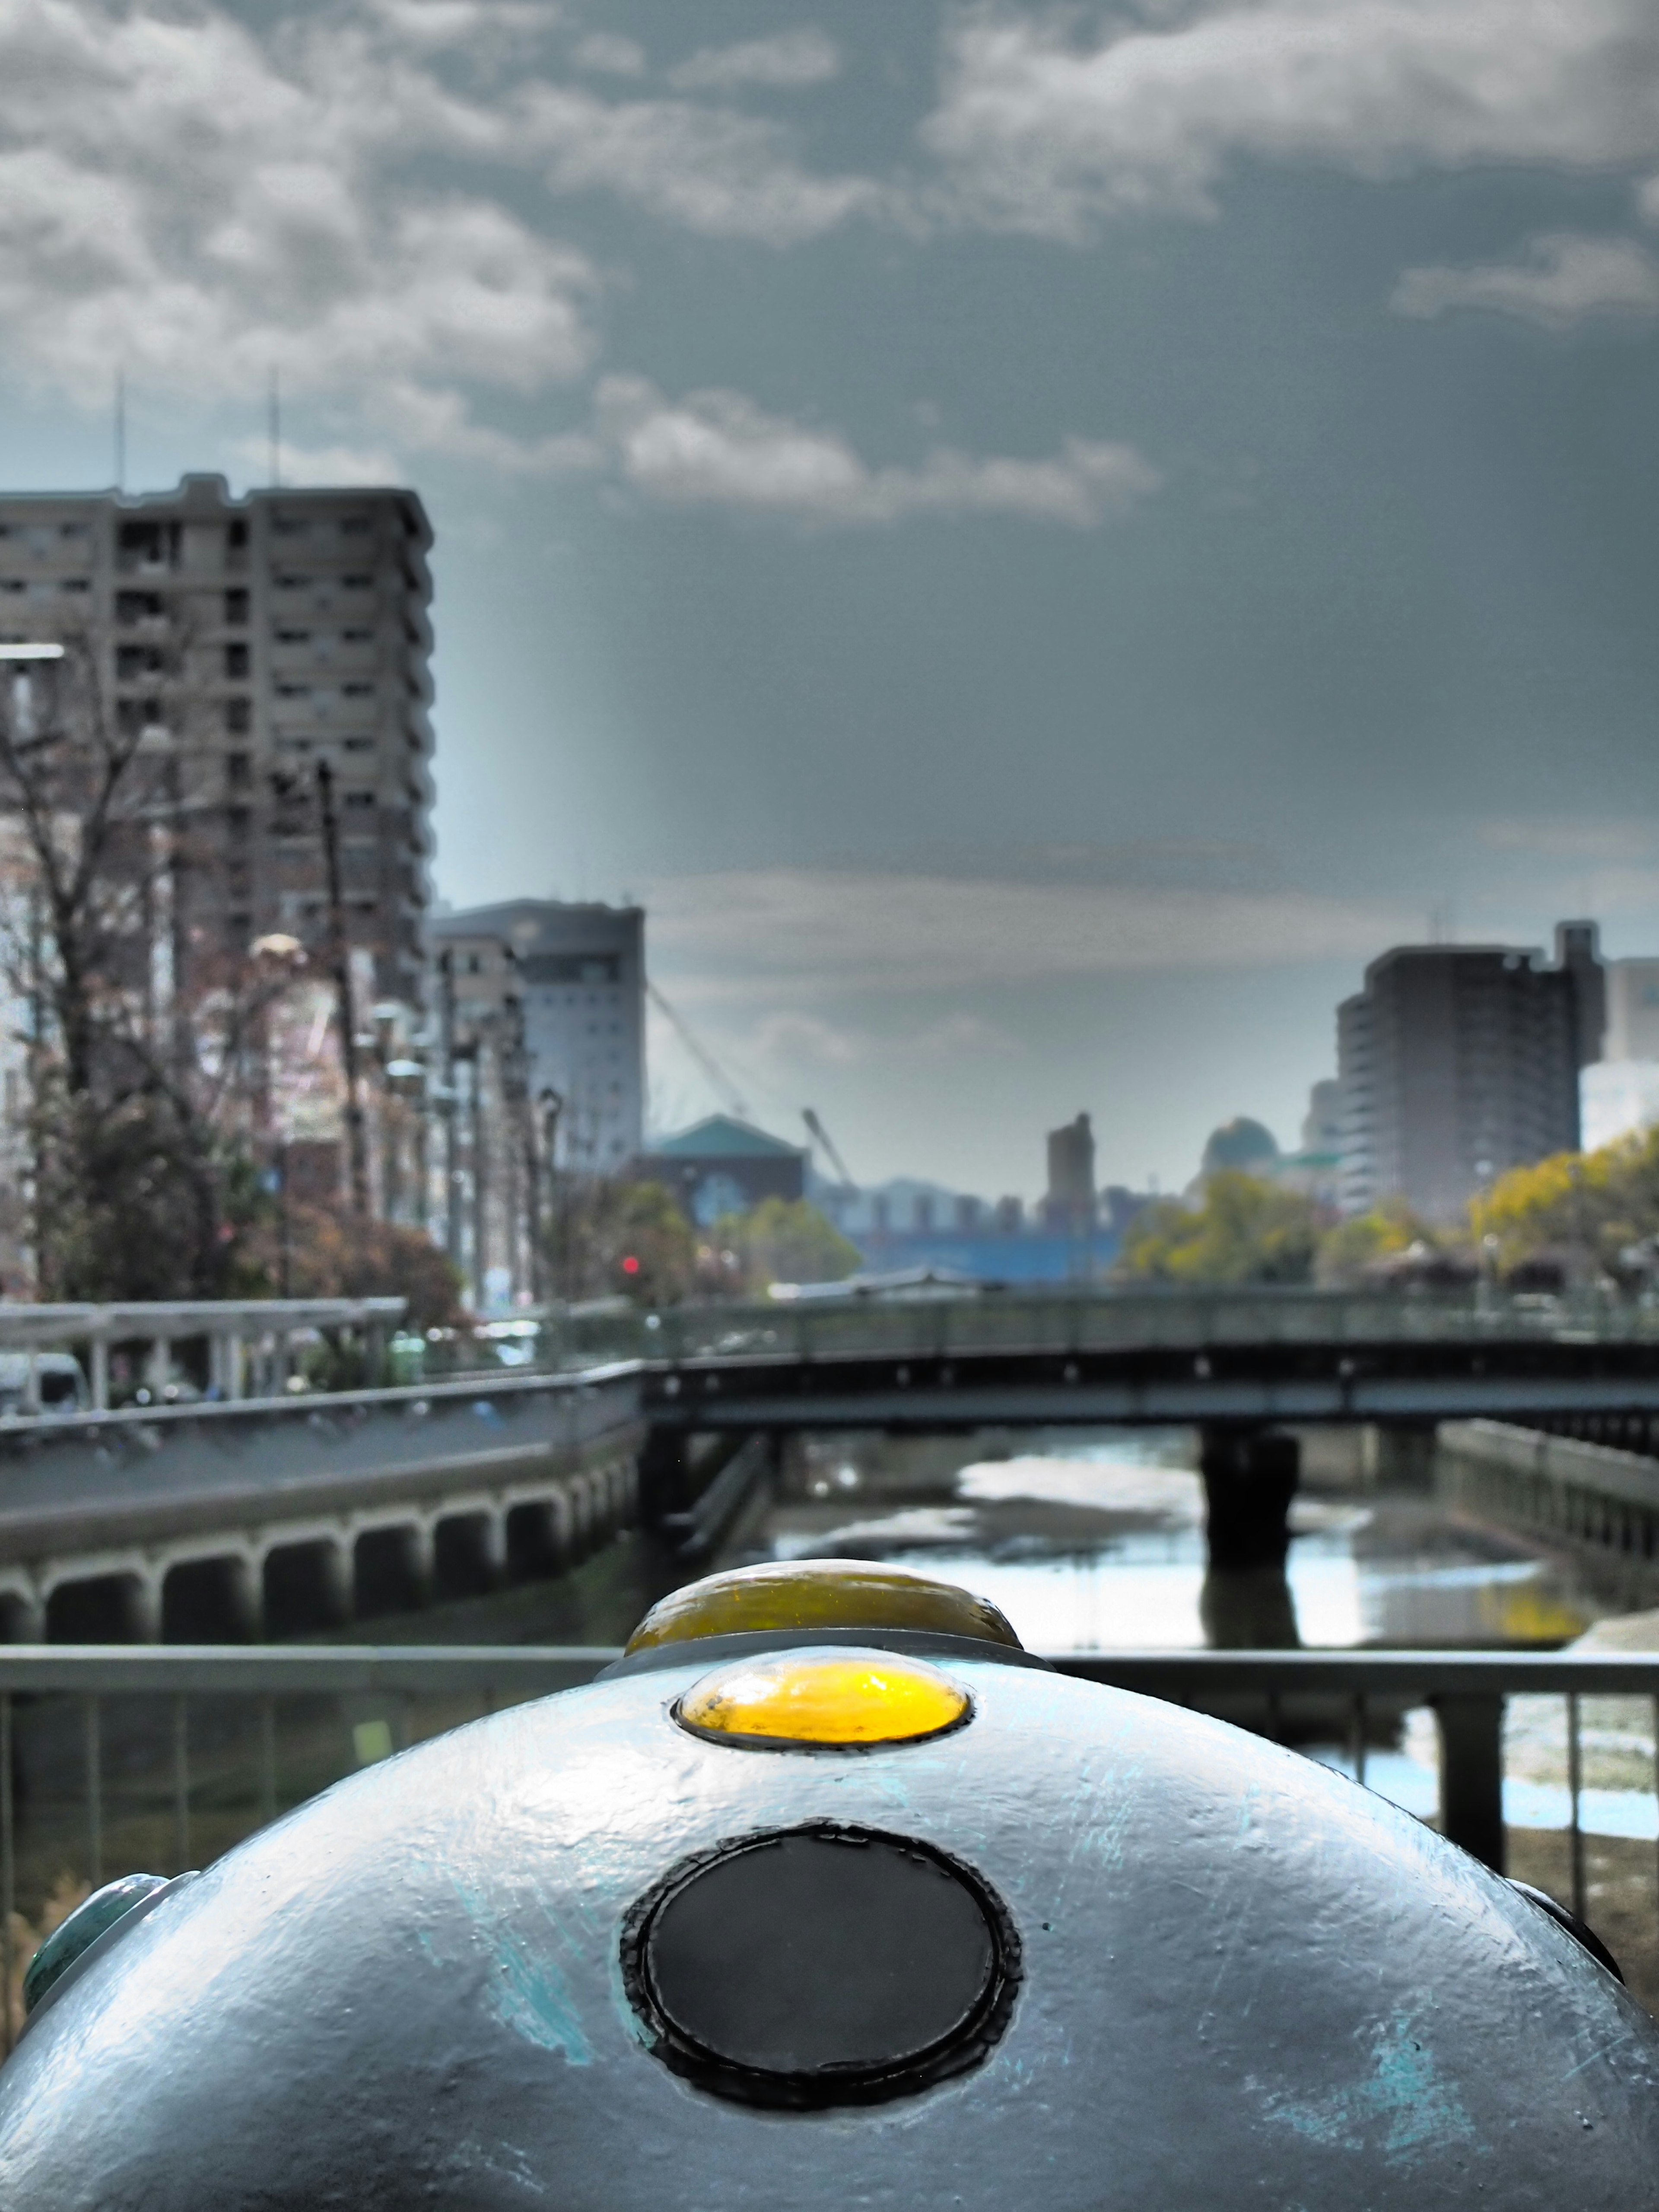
1471	1773
7	1874
100	1374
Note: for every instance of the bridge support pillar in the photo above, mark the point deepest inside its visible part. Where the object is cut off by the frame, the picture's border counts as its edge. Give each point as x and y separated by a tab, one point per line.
1250	1476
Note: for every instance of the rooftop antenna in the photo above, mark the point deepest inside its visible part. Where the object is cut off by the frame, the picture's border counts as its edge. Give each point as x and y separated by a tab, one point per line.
121	429
275	426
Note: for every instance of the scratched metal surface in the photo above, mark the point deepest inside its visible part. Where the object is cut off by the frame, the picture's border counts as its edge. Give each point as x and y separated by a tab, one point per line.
1246	1982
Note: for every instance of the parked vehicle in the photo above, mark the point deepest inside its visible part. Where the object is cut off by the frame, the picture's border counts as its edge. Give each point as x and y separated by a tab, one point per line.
60	1383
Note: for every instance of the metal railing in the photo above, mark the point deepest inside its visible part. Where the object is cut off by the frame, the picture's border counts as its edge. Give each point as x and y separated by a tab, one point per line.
1092	1320
249	1341
114	1759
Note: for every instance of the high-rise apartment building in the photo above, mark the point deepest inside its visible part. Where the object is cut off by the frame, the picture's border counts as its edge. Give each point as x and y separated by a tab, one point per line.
1459	1061
1632	1010
250	640
565	985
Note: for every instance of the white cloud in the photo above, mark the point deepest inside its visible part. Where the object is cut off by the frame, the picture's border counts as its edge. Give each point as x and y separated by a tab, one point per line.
804	1039
719	448
1561	276
963	1036
608	54
811	933
322	464
707	169
1045	129
788	60
204	201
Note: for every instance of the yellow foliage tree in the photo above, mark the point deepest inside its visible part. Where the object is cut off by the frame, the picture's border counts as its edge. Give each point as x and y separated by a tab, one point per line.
1589	1208
1245	1232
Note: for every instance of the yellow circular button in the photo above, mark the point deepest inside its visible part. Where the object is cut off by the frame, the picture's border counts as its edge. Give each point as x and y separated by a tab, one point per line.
841	1699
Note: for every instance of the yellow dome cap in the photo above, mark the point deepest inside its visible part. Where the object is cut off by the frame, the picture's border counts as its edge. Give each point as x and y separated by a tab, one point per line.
835	1700
809	1594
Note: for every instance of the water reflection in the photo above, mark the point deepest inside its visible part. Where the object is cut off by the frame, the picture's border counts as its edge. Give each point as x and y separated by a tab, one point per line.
1099	1546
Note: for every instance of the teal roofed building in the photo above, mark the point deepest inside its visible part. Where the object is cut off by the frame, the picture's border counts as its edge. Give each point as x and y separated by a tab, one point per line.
723	1165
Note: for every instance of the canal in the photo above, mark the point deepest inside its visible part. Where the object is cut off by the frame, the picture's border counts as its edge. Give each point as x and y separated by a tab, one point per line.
1086	1543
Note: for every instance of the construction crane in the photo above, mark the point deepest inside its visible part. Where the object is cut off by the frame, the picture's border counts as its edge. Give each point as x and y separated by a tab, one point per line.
821	1136
725	1090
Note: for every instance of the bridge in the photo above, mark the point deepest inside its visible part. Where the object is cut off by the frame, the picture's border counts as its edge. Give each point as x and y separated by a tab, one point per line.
274	1516
263	1514
1161	1359
1241	1367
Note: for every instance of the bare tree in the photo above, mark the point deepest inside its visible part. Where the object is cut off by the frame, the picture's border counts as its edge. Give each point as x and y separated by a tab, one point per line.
142	1031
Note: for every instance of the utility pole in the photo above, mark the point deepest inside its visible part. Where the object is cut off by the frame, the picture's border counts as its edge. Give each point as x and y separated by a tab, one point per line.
552	1105
340	954
481	1169
452	1161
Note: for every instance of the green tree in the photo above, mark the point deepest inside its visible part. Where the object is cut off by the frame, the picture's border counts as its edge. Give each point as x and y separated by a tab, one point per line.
785	1240
1346	1250
1244	1231
615	1235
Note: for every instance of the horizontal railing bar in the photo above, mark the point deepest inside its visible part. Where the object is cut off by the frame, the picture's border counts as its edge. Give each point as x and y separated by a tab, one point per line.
483	1382
436	1668
279	1670
1511	1673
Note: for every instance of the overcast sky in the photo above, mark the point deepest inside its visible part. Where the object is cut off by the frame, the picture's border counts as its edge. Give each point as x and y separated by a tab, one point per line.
1036	540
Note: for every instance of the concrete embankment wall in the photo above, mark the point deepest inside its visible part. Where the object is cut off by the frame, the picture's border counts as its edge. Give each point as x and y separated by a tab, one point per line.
267	1524
1599	1504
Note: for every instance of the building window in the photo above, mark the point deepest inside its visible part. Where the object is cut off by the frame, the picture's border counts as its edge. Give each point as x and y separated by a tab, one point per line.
236	771
236	661
76	584
236	606
237	535
294	637
137	606
239	716
357	636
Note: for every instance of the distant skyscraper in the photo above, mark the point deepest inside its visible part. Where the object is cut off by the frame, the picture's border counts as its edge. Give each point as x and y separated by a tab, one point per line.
572	979
248	639
1632	1010
1069	1203
1459	1061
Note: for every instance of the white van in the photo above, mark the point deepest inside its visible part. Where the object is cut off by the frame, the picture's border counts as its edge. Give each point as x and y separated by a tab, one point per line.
60	1385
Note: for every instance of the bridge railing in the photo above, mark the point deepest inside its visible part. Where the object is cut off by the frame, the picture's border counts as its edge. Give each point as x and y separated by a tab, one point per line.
250	1342
113	1760
1083	1321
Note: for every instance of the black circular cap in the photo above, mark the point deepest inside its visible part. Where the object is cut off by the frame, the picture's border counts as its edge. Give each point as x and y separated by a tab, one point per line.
821	1966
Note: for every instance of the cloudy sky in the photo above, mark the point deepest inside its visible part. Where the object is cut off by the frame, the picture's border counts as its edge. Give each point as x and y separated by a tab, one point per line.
1038	539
